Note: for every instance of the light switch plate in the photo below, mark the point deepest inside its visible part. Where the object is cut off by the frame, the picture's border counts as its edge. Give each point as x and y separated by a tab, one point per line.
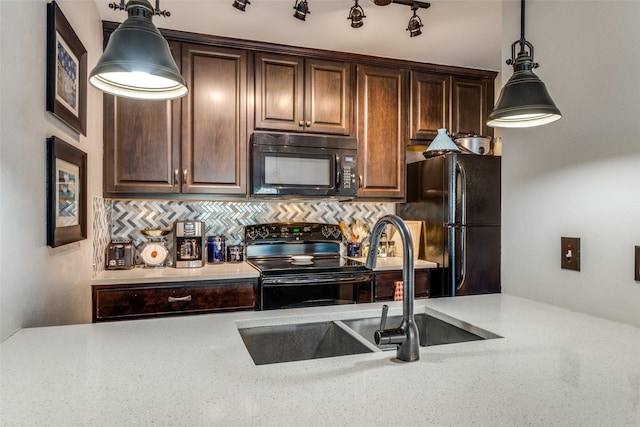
570	253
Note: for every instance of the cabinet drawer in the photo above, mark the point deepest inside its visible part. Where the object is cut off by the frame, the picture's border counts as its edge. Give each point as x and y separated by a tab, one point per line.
132	301
384	286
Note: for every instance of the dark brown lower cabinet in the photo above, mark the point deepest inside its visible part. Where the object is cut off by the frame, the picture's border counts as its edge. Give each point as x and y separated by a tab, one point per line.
384	284
131	301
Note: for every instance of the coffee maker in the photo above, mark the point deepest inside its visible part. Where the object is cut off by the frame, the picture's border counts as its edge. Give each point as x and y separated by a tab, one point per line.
188	244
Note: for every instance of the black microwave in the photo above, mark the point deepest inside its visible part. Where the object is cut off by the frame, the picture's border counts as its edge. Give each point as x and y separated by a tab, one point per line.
303	165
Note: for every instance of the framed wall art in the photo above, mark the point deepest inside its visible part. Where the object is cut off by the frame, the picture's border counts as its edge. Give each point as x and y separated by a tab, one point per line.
66	71
66	193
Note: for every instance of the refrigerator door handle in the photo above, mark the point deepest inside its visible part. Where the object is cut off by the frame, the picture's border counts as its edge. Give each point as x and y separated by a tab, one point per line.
462	259
463	192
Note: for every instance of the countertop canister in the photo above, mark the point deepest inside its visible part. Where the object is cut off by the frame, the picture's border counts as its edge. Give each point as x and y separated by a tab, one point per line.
215	249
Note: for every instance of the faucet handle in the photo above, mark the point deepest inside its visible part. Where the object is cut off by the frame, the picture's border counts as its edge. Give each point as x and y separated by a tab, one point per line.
383	318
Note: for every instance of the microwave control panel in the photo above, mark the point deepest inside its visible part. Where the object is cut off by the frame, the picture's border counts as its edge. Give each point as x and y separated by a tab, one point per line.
348	167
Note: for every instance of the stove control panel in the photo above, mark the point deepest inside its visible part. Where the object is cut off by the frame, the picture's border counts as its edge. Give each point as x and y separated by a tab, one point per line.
292	231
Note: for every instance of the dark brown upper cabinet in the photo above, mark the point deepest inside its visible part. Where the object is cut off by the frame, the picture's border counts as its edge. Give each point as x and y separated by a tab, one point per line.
196	144
458	103
430	104
142	144
214	120
382	97
471	102
303	94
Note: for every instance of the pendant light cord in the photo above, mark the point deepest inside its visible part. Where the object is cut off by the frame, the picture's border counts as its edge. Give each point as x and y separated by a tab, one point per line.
522	39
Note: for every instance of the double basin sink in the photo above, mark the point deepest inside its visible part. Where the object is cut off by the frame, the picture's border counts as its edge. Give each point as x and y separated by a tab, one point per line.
304	341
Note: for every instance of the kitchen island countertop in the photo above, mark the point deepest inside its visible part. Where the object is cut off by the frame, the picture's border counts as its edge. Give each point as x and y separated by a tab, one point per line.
552	367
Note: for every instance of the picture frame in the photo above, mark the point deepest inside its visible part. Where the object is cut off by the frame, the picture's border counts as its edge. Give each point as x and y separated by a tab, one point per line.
66	71
66	193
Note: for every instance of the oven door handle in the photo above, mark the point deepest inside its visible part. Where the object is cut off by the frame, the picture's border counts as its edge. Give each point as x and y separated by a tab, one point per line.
287	281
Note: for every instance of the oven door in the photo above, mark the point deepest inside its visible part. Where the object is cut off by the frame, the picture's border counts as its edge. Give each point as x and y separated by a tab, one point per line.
293	291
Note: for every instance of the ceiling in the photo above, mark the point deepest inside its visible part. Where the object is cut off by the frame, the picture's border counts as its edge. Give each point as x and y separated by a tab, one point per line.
463	33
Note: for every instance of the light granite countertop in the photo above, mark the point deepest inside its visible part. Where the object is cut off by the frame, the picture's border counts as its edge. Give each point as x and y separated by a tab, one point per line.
553	367
395	263
221	271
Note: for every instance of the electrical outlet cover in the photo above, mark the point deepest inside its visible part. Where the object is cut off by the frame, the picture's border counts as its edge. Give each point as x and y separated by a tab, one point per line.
570	253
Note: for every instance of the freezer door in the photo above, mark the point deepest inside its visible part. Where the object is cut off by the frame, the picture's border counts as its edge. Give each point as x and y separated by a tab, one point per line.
476	182
475	260
428	201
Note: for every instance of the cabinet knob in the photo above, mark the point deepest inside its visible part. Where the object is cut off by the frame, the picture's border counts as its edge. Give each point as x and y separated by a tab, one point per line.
184	176
308	123
179	299
175	177
360	181
301	123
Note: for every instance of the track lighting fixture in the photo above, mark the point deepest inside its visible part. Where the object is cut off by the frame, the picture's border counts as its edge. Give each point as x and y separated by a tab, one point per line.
302	9
524	100
356	15
414	23
137	62
241	4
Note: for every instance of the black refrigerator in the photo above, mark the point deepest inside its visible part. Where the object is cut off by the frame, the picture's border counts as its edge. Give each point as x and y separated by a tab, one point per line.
458	198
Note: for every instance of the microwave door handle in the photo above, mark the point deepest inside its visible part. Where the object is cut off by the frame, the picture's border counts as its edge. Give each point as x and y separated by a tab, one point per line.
338	172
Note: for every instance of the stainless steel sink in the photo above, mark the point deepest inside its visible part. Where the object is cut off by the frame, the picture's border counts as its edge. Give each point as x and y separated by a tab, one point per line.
432	331
304	341
287	343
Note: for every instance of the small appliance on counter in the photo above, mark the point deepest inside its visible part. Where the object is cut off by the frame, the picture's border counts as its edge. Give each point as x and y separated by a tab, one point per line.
154	252
188	244
474	143
120	254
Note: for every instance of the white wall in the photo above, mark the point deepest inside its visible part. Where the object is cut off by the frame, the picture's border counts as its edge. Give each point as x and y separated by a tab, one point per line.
580	176
39	285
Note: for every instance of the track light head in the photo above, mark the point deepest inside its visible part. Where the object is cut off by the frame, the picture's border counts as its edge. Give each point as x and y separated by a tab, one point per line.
302	10
356	15
415	23
241	4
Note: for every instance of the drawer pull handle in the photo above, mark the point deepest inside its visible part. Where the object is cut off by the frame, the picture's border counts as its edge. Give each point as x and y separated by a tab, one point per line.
180	299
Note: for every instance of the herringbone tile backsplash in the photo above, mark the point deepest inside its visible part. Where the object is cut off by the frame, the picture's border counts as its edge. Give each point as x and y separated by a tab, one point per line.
126	218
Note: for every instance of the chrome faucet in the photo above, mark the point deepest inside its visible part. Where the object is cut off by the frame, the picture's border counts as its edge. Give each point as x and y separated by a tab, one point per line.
406	335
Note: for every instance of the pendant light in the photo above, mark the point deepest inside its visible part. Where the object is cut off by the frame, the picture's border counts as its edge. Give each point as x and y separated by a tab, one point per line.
524	100
137	62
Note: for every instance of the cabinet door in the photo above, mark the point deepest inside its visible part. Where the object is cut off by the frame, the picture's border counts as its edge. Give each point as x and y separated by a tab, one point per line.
384	284
279	92
328	97
430	107
141	144
381	132
472	99
214	125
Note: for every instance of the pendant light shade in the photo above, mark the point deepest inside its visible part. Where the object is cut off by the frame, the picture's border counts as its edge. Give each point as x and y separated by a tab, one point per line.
524	100
137	62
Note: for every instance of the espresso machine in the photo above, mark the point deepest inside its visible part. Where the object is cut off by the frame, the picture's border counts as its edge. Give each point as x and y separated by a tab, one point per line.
188	244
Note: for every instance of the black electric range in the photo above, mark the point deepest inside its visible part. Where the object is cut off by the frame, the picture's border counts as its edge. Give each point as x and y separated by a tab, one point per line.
325	279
